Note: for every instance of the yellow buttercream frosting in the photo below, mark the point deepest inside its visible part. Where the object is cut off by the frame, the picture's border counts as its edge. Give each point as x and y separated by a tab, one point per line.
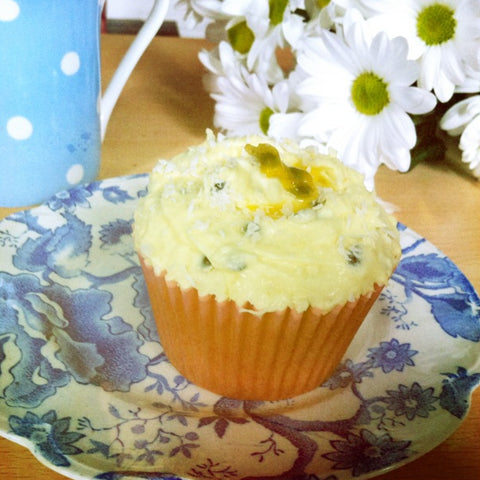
265	224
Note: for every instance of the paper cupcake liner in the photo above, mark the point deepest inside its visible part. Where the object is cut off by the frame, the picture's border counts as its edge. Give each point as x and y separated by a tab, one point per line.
235	353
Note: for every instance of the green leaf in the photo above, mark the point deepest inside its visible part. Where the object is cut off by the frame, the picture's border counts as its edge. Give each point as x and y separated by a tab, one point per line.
428	150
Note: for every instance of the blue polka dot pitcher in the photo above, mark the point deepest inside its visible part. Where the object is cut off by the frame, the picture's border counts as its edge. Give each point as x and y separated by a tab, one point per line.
52	115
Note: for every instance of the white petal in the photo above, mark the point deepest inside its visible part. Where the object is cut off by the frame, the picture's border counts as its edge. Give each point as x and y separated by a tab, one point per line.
310	57
348	141
372	140
381	48
352	16
444	88
452	64
355	36
396	24
293	29
393	66
281	95
399	129
404	73
323	119
331	84
429	68
398	159
470	143
399	46
413	99
388	23
228	58
284	125
460	114
340	53
235	8
211	61
470	85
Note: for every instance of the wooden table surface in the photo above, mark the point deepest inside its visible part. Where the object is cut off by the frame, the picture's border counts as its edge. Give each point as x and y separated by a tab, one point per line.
164	108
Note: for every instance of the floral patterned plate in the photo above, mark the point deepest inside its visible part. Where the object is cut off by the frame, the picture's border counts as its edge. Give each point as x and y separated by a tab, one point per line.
85	385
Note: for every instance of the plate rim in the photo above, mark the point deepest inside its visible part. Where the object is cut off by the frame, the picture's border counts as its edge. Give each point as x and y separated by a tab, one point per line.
67	471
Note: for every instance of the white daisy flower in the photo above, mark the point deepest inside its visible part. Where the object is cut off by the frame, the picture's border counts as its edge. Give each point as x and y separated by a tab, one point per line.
222	14
256	29
362	93
273	27
244	100
197	13
463	119
443	36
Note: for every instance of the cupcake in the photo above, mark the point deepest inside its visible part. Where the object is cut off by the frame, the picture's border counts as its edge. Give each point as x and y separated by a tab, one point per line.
261	260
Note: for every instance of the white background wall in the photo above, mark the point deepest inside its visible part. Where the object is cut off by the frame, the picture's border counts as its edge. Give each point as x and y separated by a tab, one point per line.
139	9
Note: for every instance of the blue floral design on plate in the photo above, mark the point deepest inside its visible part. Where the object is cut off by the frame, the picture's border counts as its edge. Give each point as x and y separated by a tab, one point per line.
84	382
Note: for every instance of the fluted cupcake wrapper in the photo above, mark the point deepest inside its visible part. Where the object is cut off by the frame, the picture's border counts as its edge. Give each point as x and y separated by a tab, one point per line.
235	353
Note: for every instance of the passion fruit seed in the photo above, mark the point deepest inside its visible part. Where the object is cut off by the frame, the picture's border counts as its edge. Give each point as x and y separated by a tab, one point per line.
206	263
354	255
219	186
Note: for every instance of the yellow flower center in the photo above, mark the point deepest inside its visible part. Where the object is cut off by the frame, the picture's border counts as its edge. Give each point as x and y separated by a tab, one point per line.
241	37
436	24
264	119
277	10
322	3
370	94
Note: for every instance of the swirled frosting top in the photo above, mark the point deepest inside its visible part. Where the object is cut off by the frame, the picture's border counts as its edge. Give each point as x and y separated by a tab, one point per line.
266	224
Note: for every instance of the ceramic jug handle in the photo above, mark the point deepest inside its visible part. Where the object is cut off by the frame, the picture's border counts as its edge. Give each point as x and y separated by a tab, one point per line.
142	40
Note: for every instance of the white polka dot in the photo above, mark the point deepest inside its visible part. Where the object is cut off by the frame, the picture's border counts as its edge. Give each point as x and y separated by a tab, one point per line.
9	10
19	128
70	63
75	174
